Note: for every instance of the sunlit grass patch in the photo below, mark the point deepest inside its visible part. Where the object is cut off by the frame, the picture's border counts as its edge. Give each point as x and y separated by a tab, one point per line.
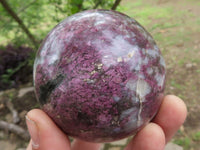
145	13
198	21
185	142
165	25
196	136
177	85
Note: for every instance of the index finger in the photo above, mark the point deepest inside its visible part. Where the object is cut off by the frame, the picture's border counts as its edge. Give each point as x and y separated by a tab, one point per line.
171	115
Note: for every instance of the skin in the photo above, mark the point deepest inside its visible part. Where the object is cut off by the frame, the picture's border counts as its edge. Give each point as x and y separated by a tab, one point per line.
153	136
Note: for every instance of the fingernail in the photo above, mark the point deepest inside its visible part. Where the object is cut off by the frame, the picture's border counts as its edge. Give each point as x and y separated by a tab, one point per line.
33	130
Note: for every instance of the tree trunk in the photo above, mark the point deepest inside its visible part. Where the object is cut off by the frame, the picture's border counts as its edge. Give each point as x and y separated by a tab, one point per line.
19	21
97	4
117	2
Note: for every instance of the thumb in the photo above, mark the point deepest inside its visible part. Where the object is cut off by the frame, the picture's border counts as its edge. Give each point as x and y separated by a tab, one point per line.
45	135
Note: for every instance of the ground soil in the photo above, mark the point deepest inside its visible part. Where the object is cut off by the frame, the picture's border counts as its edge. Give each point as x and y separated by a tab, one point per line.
180	45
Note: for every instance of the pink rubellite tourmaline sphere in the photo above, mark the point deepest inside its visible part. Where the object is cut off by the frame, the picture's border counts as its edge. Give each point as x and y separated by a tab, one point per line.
99	75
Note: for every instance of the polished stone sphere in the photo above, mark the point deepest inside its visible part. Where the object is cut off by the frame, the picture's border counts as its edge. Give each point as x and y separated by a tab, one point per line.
99	75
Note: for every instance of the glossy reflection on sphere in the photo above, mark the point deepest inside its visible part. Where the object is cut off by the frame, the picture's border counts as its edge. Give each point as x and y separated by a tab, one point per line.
99	75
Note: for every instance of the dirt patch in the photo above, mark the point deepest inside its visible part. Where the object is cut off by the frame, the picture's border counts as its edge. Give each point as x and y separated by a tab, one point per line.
22	105
177	33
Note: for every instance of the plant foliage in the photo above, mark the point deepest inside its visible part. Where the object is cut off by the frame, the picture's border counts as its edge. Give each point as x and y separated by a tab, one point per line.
25	23
39	17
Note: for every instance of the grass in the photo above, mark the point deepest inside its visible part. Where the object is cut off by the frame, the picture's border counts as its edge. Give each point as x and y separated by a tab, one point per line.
129	6
147	13
184	142
187	141
177	85
196	136
164	25
198	21
181	62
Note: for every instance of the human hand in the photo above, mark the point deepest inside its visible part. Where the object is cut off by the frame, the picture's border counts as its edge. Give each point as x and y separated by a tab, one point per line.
45	135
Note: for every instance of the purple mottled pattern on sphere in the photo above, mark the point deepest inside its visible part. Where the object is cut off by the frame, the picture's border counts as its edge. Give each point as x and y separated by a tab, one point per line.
99	75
